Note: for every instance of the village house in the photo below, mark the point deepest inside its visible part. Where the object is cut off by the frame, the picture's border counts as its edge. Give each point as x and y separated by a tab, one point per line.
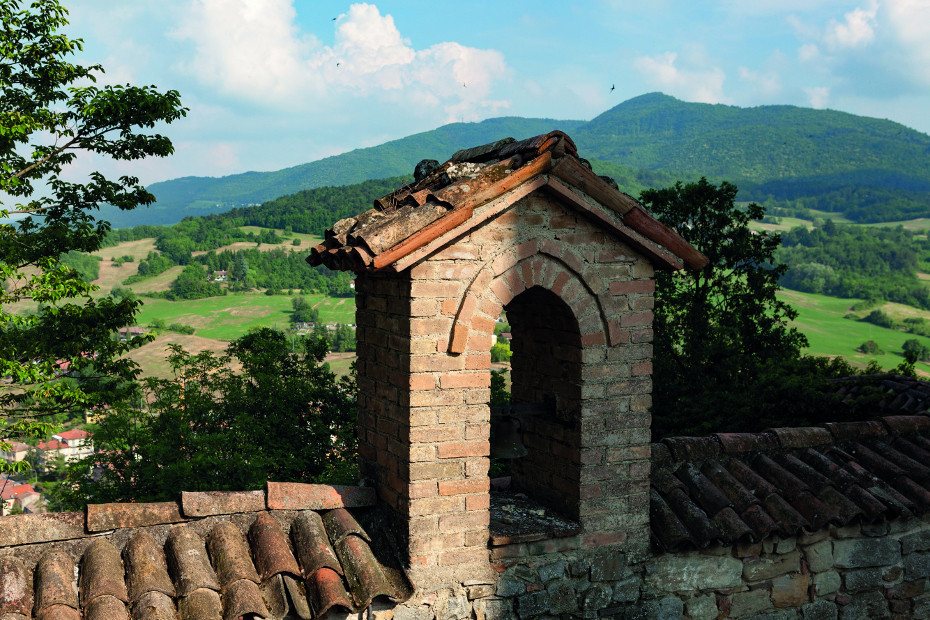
126	333
71	445
17	452
17	496
595	521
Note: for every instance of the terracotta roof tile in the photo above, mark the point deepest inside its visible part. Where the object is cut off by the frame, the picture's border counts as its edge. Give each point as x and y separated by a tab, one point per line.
742	443
732	528
855	431
15	594
447	199
740	497
229	553
147	569
102	573
203	569
804	437
711	499
788	480
272	551
54	578
692	448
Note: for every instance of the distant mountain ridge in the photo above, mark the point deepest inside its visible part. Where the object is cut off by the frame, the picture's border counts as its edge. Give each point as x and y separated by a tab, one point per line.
797	156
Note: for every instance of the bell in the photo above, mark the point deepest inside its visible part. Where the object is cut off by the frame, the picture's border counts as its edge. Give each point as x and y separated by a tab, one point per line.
507	438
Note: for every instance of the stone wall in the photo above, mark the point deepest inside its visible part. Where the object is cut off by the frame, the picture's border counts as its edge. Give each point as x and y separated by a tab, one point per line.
853	572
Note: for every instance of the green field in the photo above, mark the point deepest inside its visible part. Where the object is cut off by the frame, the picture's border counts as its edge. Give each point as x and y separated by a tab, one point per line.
231	316
820	318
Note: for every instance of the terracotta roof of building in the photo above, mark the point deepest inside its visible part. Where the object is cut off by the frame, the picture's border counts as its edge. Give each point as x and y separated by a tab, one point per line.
743	487
292	551
475	185
11	490
72	434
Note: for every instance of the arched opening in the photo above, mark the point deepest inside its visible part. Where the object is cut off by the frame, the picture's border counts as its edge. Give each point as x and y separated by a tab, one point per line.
546	399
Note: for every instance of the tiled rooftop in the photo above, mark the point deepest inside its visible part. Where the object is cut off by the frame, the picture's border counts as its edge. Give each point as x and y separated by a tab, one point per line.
295	551
743	487
478	183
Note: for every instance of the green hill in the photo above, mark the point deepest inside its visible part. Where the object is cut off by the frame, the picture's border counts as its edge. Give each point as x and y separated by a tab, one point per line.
867	169
194	196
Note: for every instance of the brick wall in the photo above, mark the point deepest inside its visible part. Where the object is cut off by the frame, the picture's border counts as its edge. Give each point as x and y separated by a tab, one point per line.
581	307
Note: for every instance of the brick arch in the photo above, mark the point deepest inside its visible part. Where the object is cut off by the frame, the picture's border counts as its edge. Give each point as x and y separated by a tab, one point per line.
546	264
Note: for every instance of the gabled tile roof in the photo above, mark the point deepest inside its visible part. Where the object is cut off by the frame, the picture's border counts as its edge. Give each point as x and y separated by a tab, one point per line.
476	184
743	487
210	556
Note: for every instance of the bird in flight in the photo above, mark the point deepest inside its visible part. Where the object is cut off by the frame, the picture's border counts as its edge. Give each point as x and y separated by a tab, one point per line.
612	87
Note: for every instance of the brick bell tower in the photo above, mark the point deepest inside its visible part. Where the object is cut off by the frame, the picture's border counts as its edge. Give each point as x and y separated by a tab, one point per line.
523	227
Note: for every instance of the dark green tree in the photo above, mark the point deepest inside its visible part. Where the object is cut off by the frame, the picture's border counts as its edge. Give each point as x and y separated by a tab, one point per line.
726	356
283	417
917	348
303	311
50	112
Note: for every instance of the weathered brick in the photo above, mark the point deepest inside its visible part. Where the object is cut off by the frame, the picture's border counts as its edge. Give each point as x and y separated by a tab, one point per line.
465	521
477	502
464	448
436	434
434	471
464	556
628	287
465	380
436	505
464	486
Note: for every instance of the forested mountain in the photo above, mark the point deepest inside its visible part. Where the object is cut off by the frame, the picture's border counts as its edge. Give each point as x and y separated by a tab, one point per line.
193	196
866	168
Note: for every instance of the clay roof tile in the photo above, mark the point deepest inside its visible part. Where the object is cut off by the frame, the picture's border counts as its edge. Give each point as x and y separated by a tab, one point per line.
188	562
802	437
229	553
15	593
147	568
692	448
856	431
745	443
666	526
270	548
102	573
54	581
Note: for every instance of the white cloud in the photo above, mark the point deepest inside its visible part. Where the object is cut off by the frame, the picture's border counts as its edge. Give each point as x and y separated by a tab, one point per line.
691	79
765	84
246	47
909	23
253	49
808	52
856	30
817	95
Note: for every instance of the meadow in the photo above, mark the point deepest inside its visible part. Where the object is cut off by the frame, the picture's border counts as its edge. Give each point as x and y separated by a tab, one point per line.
820	318
218	320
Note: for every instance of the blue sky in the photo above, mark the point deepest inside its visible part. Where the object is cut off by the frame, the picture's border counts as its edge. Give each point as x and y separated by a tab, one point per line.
276	83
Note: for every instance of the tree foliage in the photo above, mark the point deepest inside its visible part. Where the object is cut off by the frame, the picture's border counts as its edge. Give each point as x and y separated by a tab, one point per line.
285	416
51	111
725	355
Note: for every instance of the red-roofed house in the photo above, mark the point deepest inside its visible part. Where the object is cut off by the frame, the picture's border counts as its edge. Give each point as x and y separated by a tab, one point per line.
72	445
12	494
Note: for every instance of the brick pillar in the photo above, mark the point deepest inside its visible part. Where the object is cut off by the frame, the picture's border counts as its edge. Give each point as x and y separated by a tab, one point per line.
583	301
423	421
